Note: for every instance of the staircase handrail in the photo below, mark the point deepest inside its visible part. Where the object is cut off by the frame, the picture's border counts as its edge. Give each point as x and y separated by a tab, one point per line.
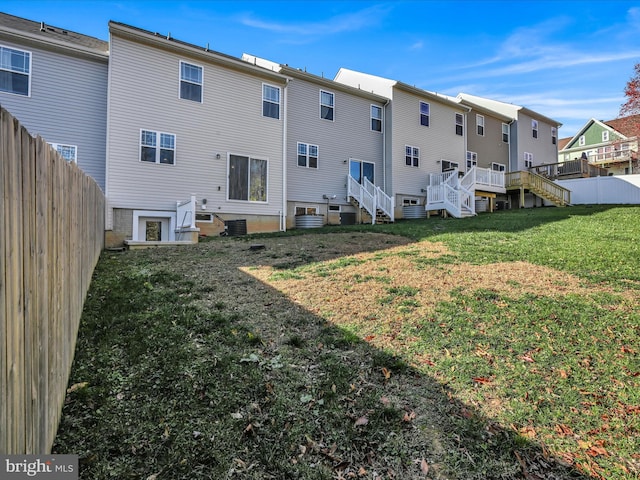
186	213
545	187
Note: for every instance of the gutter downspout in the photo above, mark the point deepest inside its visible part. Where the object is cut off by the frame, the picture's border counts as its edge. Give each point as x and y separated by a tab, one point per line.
384	146
283	215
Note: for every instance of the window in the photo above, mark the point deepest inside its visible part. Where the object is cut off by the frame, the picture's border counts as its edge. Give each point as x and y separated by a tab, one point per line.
68	152
605	136
359	170
204	217
307	155
409	201
472	159
326	105
459	124
376	118
581	141
270	101
306	210
480	125
498	167
334	208
15	71
190	82
411	156
528	160
157	147
534	128
554	135
505	133
424	114
247	179
448	165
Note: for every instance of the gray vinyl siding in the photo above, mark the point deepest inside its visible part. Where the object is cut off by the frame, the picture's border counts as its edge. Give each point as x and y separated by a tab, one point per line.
67	104
489	147
542	149
144	94
436	142
348	136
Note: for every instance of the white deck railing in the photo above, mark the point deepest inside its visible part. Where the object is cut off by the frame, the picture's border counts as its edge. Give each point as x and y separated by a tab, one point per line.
370	197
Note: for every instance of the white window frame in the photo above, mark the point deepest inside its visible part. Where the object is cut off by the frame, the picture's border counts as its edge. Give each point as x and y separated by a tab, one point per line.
305	210
480	125
425	114
250	158
447	165
331	107
582	141
375	118
605	135
528	160
7	67
505	132
191	82
534	128
157	146
554	135
498	167
459	124
209	215
266	100
472	159
411	155
305	150
62	148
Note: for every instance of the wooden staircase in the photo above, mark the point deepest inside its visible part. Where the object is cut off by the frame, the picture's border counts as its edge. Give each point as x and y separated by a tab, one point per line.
538	185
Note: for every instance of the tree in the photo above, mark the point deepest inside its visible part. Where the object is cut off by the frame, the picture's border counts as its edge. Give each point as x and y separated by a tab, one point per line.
630	110
632	94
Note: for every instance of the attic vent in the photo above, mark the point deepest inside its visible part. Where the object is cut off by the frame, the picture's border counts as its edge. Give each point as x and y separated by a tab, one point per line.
42	26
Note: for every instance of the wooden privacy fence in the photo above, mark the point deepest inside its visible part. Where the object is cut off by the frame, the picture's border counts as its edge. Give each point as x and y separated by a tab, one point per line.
51	236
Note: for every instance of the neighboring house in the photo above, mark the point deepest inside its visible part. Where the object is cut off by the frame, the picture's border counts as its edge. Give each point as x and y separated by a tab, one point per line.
612	145
187	124
333	131
425	134
54	82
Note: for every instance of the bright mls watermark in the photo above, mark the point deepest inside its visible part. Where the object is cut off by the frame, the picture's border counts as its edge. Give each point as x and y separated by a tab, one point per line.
50	467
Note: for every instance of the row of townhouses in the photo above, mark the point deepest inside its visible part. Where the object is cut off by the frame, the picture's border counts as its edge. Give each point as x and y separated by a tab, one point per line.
185	140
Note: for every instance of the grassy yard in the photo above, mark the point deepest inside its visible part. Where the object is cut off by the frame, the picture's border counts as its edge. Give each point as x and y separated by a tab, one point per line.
505	346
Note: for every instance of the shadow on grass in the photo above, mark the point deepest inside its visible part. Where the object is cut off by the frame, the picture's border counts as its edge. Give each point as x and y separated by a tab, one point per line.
188	368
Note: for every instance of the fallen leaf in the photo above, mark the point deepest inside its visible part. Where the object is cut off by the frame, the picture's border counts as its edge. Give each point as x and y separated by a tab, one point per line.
595	451
409	416
362	472
385	401
368	338
236	415
528	432
424	466
361	421
563	429
526	358
481	380
77	386
386	373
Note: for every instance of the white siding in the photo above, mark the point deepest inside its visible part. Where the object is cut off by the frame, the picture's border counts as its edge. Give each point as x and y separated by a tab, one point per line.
67	105
348	136
144	94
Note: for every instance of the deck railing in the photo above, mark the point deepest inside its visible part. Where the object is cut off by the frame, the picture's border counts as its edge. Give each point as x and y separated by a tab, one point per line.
540	185
370	197
578	167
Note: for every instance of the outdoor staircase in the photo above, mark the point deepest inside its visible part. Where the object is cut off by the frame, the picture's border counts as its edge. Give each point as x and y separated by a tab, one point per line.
371	199
538	185
447	191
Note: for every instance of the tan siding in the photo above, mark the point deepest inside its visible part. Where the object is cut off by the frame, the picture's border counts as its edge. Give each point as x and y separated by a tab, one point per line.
489	147
144	93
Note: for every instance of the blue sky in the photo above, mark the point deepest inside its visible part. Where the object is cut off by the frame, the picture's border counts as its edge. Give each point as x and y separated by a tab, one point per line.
568	60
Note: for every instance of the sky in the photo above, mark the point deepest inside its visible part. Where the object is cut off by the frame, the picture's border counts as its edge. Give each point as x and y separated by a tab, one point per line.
568	60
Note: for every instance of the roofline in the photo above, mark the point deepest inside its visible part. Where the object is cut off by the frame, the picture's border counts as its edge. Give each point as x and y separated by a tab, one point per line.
587	125
486	111
167	42
86	51
297	73
434	96
539	116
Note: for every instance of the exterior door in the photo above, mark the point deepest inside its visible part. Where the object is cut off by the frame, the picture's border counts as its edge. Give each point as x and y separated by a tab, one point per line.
359	169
